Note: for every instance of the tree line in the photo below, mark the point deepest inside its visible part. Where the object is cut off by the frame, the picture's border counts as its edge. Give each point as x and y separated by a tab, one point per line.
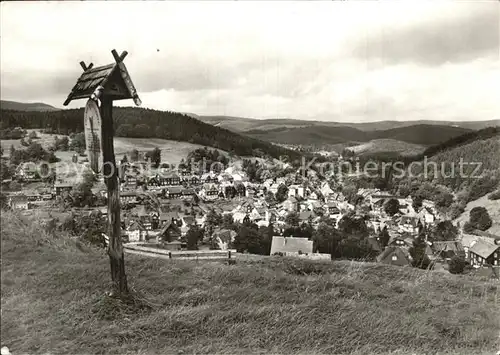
147	123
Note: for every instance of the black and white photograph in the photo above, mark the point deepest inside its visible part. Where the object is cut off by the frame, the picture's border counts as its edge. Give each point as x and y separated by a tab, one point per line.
250	177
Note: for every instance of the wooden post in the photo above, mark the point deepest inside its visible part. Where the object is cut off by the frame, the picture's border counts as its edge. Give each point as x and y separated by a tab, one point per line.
115	247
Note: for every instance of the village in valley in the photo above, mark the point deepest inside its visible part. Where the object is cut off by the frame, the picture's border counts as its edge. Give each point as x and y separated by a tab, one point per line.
249	206
294	178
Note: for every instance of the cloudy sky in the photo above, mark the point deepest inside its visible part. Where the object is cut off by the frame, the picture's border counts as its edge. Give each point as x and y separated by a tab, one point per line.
335	61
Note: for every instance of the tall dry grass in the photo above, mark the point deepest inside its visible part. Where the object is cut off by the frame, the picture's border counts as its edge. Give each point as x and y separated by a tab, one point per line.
53	300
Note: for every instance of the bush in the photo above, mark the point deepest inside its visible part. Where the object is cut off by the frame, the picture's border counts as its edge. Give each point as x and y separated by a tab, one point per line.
456	209
494	195
468	227
480	219
457	265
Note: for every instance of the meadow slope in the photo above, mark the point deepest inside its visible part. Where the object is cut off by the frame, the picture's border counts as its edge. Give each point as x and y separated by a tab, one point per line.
493	208
53	300
171	151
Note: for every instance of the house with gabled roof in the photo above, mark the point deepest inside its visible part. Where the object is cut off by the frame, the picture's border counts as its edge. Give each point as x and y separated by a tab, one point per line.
394	255
187	193
326	190
374	244
483	253
426	215
275	187
167	217
291	246
296	190
19	202
224	238
62	187
409	223
209	192
291	204
128	197
169	232
137	232
448	249
172	192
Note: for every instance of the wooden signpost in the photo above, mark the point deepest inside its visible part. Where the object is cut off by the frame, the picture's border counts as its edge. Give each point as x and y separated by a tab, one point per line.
93	136
105	84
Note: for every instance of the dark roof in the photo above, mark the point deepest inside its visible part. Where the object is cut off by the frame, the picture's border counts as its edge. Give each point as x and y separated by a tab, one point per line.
304	215
374	244
63	184
174	189
135	225
189	220
90	80
169	225
442	246
403	255
105	76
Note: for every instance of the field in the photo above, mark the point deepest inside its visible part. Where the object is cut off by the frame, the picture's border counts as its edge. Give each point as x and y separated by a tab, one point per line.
388	145
171	151
493	208
54	301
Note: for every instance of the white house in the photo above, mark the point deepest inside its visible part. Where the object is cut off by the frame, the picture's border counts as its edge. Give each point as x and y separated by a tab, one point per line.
274	188
137	232
290	246
19	202
326	189
209	192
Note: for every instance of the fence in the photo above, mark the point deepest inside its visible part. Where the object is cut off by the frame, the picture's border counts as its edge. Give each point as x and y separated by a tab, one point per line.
179	254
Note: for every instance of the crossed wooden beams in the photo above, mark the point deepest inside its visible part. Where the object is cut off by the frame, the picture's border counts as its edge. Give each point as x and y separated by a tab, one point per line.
118	59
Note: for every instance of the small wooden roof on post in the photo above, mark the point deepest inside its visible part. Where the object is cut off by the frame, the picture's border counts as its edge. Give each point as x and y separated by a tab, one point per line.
111	80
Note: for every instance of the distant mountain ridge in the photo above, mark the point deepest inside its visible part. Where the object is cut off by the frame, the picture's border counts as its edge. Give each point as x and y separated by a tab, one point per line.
242	124
26	106
417	134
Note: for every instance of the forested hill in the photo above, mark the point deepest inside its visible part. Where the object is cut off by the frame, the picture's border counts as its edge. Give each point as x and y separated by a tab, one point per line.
147	123
463	139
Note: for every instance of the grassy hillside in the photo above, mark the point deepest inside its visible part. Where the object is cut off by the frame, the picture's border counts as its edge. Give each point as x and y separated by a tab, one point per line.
26	106
316	134
171	151
493	208
144	123
53	301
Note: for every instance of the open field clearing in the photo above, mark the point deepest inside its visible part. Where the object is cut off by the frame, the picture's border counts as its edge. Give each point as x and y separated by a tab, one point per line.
388	145
53	301
171	151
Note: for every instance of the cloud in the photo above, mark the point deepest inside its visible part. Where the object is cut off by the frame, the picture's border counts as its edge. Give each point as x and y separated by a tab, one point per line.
456	38
330	60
